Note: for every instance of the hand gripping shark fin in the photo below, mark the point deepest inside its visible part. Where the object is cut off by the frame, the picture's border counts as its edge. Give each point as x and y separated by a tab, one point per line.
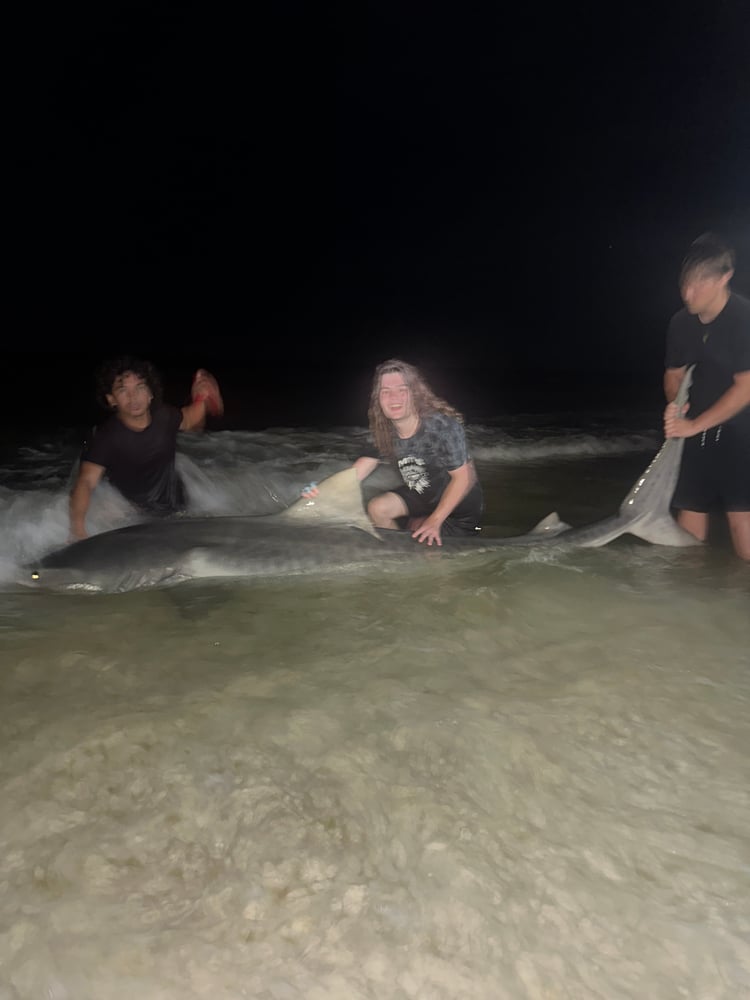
339	501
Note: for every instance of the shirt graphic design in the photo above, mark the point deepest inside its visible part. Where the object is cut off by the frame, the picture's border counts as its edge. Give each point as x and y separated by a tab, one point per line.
414	473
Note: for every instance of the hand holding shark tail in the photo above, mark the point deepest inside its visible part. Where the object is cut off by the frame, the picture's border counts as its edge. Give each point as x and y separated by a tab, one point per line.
646	509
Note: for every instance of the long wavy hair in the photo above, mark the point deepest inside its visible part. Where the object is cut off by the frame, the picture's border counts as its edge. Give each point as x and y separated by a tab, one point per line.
109	371
424	402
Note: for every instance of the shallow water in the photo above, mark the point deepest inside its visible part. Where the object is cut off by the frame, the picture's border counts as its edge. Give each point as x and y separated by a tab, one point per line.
508	777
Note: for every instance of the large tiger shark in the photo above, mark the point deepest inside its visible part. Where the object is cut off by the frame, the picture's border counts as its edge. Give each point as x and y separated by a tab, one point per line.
330	533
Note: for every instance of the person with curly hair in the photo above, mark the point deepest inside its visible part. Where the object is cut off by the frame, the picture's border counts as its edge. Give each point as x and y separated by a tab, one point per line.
136	446
423	437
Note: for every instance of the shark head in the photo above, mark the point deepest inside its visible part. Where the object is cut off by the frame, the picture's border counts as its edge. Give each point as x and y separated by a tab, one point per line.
106	578
41	577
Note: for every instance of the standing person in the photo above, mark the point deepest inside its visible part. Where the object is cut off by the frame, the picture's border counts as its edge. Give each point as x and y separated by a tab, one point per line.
712	331
424	437
136	446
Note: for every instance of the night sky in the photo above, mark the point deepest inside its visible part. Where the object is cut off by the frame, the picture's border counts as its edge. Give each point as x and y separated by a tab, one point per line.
290	196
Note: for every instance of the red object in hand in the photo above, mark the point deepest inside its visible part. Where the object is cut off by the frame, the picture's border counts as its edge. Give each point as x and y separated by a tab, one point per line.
206	390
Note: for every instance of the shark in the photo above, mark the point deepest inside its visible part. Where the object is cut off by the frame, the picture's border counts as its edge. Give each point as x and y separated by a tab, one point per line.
331	533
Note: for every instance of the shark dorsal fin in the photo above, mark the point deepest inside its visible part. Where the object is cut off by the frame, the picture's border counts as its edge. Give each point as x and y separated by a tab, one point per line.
550	525
339	501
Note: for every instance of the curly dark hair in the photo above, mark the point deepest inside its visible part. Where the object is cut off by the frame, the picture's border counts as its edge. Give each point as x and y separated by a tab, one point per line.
423	399
109	371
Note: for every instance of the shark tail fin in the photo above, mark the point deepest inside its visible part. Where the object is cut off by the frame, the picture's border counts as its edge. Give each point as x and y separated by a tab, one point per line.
662	530
550	525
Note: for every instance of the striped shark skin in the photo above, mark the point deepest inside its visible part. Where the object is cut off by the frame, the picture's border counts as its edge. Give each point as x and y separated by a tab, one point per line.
330	533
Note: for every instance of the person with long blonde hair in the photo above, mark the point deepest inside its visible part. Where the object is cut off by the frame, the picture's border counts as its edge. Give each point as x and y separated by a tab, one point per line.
423	436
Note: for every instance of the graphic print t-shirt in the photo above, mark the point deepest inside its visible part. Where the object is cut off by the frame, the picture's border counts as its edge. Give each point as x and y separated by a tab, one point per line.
425	459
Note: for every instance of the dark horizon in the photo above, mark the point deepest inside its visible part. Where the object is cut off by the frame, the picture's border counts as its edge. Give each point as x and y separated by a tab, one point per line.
301	395
506	197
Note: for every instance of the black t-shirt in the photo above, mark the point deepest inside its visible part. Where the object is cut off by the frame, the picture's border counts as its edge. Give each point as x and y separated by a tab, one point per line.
141	464
719	350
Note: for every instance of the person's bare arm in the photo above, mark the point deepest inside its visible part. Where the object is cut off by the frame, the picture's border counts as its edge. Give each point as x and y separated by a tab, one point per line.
365	466
462	480
88	479
736	398
194	416
206	400
672	380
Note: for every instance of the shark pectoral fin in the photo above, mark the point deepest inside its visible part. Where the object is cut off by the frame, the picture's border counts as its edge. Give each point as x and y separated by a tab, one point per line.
550	525
339	501
663	530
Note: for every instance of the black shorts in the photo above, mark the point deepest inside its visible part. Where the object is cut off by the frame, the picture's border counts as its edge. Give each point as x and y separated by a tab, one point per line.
715	473
464	519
